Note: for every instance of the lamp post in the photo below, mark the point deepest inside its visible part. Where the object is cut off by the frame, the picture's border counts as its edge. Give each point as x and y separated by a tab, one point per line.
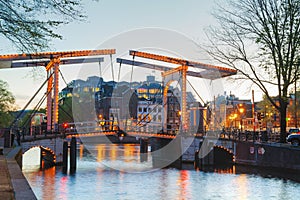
241	110
234	118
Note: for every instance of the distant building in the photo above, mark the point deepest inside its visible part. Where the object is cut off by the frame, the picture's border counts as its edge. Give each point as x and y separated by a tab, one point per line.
232	113
198	117
138	102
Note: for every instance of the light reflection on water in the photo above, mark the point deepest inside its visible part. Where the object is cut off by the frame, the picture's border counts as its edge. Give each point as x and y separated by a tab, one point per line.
95	179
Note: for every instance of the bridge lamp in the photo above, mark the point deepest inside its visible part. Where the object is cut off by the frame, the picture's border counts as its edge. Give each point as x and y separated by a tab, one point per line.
179	113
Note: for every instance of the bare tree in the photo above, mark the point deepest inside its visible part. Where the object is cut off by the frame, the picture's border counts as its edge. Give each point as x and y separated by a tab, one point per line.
30	24
260	38
7	101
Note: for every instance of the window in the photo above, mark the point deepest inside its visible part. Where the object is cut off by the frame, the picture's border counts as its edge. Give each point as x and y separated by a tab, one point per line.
153	91
149	118
159	118
86	89
140	109
154	118
145	110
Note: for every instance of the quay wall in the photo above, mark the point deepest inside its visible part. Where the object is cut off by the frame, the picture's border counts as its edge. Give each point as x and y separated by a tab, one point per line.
268	155
21	188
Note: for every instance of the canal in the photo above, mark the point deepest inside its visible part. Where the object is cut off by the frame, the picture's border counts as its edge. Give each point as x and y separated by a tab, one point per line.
108	171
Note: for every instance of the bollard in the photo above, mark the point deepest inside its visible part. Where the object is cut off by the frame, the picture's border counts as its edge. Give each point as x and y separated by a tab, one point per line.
65	157
143	150
73	155
196	160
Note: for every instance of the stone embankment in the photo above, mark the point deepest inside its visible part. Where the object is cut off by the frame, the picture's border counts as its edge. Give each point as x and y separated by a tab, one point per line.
13	184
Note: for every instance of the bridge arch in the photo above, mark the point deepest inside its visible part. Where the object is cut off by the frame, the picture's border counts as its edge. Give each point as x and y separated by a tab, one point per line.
223	155
176	74
38	157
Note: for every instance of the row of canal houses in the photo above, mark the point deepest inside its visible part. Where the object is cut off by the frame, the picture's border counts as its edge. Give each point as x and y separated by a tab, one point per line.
140	104
135	103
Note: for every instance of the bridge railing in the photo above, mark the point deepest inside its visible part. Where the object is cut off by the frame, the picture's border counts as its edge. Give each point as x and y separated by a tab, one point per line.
91	127
258	136
150	128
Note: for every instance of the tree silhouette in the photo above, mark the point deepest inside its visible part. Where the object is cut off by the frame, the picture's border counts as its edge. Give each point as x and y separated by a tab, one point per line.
261	40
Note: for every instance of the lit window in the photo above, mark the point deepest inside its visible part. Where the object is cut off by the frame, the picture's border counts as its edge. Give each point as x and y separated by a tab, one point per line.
153	91
142	90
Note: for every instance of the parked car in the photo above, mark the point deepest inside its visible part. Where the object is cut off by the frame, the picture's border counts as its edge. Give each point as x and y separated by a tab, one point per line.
294	139
294	130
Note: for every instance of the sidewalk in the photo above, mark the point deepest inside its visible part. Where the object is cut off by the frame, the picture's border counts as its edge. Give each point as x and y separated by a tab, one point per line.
13	184
6	189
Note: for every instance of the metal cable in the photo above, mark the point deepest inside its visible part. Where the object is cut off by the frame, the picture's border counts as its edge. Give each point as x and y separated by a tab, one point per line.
22	111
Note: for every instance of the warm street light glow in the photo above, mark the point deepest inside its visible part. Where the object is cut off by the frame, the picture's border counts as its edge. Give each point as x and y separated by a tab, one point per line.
241	108
179	113
233	116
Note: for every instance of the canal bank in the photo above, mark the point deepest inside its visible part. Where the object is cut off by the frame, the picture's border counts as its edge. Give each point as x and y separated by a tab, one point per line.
13	184
268	155
214	152
276	156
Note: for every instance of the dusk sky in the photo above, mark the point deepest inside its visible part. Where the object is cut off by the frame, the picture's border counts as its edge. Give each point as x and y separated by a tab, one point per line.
171	27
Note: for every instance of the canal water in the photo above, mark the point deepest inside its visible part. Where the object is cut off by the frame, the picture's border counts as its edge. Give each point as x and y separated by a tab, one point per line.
108	171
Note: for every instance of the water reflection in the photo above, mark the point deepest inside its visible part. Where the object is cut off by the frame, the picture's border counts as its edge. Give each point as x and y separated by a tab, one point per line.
96	179
125	157
183	183
241	183
263	172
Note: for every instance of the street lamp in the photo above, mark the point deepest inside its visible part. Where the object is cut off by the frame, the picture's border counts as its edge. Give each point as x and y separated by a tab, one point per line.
241	110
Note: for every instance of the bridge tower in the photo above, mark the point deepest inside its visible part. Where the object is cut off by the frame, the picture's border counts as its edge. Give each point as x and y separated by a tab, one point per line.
179	73
169	76
52	61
